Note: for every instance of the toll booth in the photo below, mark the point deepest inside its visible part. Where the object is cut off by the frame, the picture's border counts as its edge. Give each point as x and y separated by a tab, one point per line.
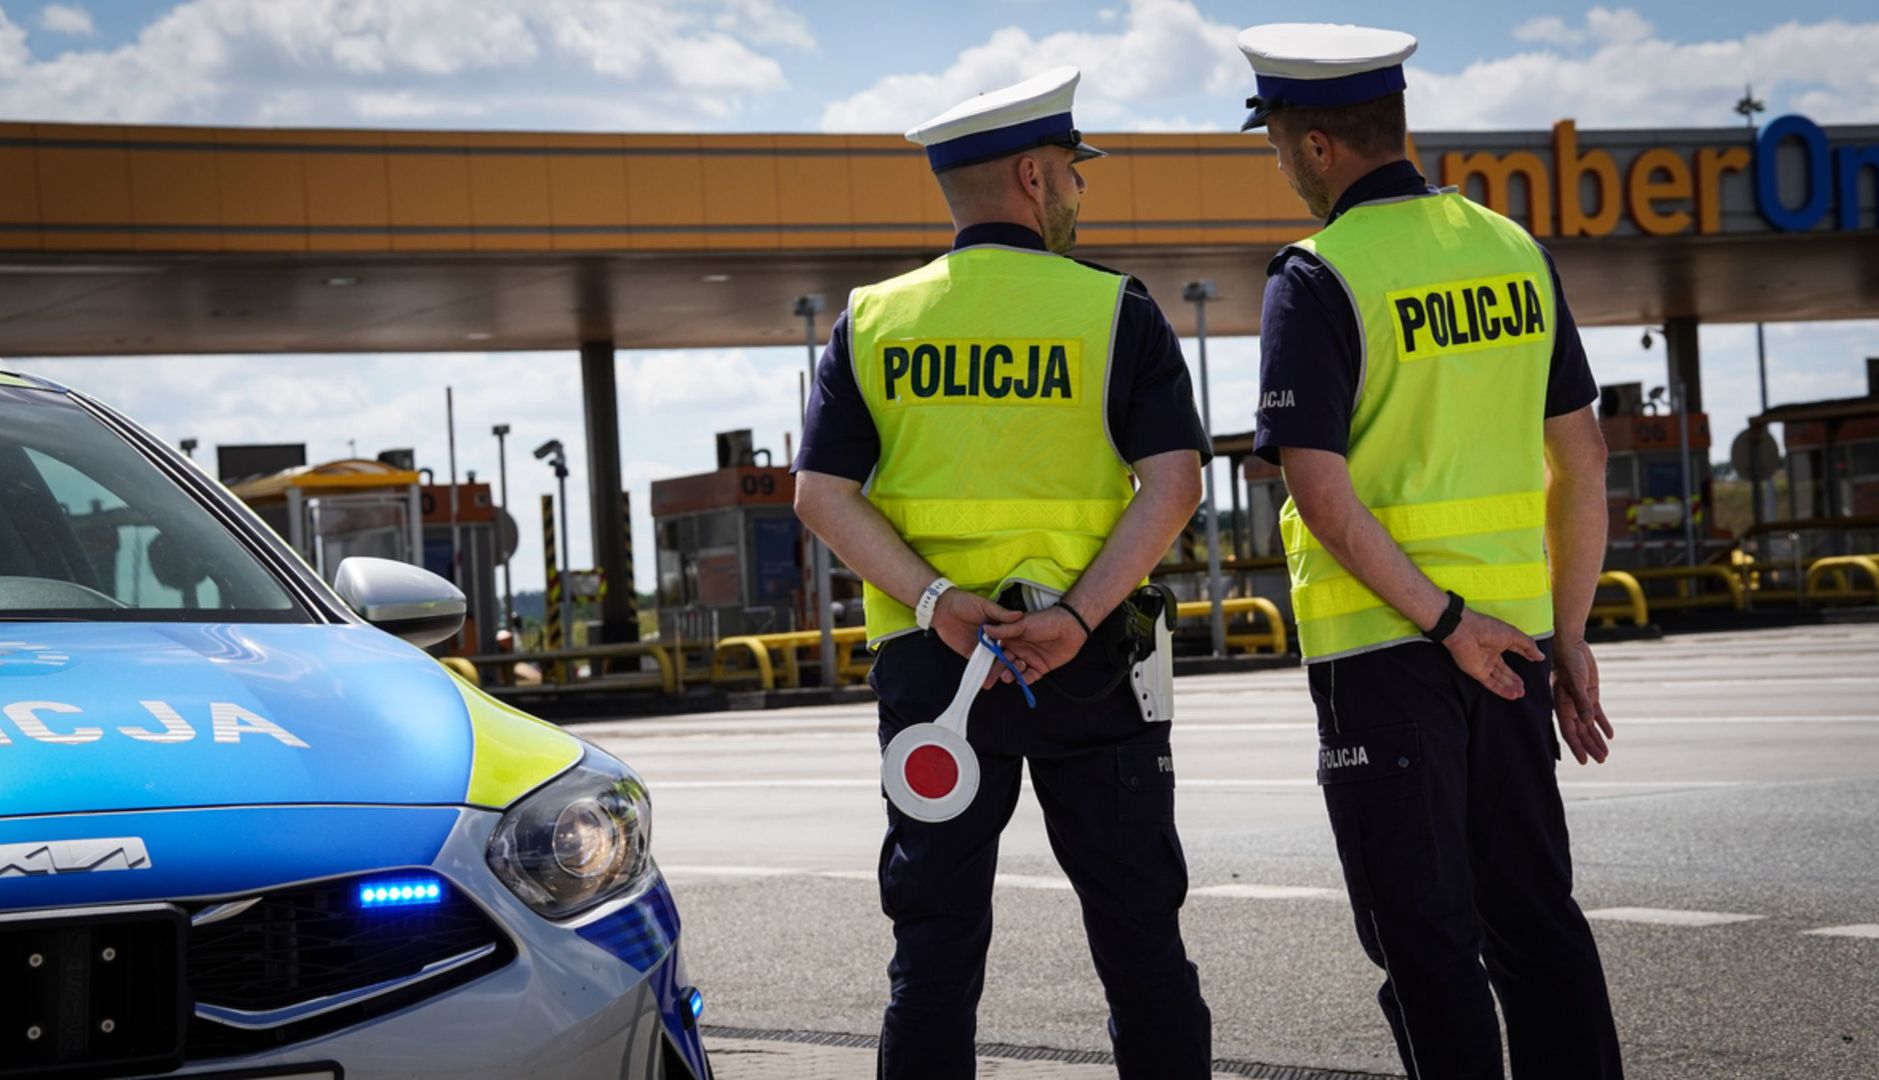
484	536
729	548
1832	462
334	511
1648	447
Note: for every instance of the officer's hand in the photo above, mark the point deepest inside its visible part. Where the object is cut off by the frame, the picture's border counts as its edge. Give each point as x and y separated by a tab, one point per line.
1583	726
1041	642
1477	645
957	618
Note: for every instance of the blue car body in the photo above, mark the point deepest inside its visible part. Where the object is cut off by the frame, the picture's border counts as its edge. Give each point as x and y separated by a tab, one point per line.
260	783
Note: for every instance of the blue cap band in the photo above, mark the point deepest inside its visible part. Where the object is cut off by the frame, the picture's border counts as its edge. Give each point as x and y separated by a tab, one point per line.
1325	93
986	145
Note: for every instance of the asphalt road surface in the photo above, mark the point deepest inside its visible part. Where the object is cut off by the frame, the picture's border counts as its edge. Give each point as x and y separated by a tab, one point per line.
1729	853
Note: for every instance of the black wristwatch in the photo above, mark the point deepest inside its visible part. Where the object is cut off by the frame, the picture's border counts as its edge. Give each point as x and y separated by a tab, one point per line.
1451	618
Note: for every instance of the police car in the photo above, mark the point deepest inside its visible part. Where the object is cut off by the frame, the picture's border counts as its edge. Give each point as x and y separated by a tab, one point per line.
247	831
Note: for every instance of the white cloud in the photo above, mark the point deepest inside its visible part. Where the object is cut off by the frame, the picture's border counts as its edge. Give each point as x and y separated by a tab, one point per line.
671	404
568	64
1617	26
67	19
1163	51
1548	30
1632	77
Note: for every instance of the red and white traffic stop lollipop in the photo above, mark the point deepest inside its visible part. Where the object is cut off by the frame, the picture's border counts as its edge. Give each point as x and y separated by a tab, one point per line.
929	770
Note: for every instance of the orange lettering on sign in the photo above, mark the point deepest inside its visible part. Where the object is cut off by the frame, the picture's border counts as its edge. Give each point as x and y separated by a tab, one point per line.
1711	163
1573	220
1495	174
1645	189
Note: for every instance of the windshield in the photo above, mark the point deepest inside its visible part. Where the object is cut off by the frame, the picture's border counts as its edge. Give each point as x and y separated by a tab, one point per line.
91	529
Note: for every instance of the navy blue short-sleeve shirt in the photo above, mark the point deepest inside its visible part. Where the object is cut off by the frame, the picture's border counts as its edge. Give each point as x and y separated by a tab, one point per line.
1310	342
1151	398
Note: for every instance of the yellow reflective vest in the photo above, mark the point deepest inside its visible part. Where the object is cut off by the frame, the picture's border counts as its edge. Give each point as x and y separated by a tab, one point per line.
986	372
1447	438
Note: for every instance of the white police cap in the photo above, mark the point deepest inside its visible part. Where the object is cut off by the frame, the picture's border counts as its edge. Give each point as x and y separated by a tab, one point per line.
1034	113
1319	65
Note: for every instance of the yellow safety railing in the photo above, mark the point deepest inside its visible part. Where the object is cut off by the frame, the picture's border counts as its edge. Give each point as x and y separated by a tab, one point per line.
665	679
1836	566
1634	606
758	648
1273	638
1687	578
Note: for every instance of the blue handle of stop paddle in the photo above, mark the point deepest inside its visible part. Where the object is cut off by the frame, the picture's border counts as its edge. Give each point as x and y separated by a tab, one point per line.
1030	699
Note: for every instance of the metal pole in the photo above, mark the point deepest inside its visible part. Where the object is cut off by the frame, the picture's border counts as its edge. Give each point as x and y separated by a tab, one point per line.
1764	489
450	432
501	431
1683	447
567	561
806	307
1199	292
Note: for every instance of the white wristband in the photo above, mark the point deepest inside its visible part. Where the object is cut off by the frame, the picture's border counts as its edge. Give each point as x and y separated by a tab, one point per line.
923	611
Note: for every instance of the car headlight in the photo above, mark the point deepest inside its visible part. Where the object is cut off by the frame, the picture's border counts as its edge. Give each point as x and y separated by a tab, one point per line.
581	839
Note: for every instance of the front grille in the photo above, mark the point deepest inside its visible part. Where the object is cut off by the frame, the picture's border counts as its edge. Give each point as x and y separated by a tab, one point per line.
300	945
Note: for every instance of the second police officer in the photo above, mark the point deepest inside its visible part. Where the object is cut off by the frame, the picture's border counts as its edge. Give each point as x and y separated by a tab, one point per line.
1424	389
1007	437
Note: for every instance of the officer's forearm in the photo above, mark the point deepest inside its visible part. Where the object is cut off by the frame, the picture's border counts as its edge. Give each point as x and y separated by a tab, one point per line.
1171	489
1320	484
835	509
1575	516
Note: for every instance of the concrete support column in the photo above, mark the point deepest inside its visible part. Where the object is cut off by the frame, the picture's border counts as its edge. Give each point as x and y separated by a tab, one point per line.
1684	362
600	407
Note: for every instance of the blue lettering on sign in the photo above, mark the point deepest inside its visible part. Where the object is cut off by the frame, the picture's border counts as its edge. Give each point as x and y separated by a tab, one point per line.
1849	161
1819	175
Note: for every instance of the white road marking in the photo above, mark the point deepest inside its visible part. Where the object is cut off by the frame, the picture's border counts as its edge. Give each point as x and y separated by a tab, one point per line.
728	871
1189	783
1670	916
1865	930
1238	891
705	727
1031	881
1243	890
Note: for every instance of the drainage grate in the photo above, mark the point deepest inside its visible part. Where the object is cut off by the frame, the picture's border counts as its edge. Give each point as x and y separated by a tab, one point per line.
1251	1069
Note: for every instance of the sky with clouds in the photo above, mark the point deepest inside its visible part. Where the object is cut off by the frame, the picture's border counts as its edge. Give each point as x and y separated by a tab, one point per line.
846	66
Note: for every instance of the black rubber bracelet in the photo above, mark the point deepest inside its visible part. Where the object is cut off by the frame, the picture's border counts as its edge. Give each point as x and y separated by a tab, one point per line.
1078	616
1451	618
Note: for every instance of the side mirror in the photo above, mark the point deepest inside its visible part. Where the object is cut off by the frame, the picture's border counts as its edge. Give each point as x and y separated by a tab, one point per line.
401	599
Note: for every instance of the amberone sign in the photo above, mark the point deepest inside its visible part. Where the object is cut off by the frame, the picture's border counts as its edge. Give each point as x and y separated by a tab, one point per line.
1793	177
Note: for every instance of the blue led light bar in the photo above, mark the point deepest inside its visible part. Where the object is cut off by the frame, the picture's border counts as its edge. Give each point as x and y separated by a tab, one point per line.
403	892
697	1002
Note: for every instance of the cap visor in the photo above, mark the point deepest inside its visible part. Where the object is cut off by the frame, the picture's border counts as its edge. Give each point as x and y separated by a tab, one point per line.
1085	152
1257	118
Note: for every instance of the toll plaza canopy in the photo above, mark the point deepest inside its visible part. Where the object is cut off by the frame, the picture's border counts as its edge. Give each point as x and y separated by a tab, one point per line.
125	240
120	240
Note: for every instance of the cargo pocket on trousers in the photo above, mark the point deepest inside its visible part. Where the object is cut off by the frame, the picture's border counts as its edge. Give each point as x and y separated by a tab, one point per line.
1145	785
1373	788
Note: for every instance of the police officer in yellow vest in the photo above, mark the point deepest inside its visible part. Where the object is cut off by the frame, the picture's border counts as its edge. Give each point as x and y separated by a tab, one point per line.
1425	391
1006	437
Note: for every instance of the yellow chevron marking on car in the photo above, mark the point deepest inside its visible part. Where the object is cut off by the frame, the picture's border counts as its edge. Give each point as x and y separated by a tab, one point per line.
513	753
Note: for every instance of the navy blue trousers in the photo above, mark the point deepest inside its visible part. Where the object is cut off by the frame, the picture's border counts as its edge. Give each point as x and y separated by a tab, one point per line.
1105	781
1453	838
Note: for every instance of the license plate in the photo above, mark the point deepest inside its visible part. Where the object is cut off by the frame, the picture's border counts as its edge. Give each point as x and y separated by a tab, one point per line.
93	993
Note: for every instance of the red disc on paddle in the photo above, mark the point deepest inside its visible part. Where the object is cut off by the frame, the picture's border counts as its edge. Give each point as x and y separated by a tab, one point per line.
931	772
